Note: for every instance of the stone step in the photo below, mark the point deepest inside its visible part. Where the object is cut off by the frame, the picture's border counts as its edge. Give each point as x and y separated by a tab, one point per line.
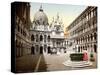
77	63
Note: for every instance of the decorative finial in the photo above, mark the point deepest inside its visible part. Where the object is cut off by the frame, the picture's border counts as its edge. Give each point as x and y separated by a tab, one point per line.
41	8
53	19
57	15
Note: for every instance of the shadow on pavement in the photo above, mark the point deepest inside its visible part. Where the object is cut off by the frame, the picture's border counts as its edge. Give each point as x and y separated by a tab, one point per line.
26	64
42	65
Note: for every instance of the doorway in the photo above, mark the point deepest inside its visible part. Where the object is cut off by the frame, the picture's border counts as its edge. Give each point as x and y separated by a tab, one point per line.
95	48
41	50
49	51
32	50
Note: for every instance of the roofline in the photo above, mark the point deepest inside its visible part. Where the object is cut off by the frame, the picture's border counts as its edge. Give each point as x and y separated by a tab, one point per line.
88	7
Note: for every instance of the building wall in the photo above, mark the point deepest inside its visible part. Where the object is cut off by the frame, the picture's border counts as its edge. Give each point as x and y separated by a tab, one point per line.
42	37
22	35
83	30
40	41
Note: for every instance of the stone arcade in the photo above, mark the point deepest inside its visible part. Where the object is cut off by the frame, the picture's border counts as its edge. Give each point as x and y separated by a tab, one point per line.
83	30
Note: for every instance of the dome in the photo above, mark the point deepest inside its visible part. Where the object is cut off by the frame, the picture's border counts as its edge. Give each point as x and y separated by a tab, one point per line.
40	17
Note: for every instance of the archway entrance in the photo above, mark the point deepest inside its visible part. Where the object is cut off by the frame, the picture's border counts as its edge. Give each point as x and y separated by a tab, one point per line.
32	50
49	51
95	48
78	49
41	50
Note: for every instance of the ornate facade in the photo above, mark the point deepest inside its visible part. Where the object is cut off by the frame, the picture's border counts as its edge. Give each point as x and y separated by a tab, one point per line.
58	44
83	31
23	23
46	38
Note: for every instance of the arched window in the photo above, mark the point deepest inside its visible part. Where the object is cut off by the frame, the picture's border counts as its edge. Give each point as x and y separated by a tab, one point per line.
83	39
88	38
32	38
95	48
48	38
41	37
36	37
91	37
44	38
32	50
41	49
95	36
83	47
45	46
78	49
49	50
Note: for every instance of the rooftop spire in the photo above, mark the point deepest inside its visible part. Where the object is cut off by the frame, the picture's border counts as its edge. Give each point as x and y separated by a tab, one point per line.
53	19
57	15
41	8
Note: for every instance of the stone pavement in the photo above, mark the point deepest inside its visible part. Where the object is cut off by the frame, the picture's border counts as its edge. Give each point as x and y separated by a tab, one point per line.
54	62
49	62
26	63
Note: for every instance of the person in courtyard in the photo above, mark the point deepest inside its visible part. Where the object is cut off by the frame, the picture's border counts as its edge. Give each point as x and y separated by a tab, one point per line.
85	56
92	56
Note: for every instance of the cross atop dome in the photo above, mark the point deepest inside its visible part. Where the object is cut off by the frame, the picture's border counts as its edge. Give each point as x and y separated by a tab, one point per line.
41	8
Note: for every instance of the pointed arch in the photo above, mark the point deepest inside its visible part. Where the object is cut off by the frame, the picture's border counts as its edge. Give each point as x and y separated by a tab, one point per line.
32	37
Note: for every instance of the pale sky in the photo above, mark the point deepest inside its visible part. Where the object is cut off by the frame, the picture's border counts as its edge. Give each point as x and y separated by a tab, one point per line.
66	12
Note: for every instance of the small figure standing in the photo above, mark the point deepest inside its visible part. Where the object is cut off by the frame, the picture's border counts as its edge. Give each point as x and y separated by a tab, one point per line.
85	56
92	56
